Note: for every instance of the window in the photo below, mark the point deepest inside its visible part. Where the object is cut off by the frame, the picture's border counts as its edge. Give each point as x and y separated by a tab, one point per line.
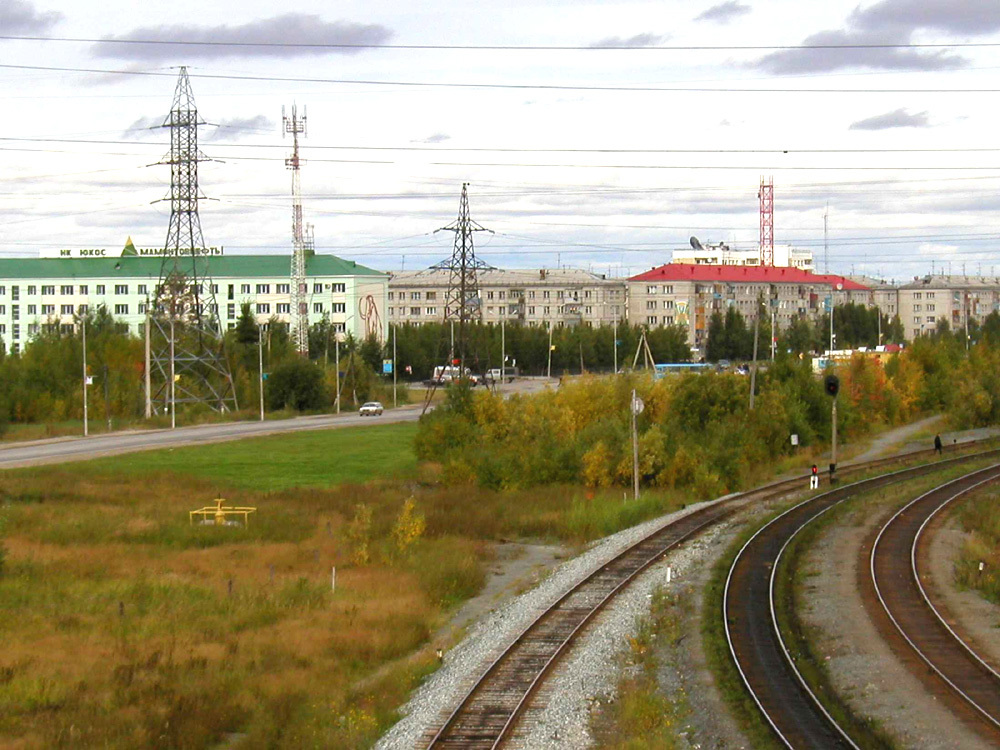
230	291
3	309
432	311
489	295
14	292
930	295
66	289
651	320
317	307
121	288
33	329
930	318
66	309
263	308
650	290
142	308
338	288
930	308
3	329
3	290
668	289
668	320
489	310
651	304
244	289
434	295
916	319
46	309
32	309
531	294
15	312
17	331
100	289
121	309
32	289
230	311
283	289
916	308
284	308
668	304
339	307
560	294
588	310
317	288
263	289
392	311
414	295
84	289
545	294
501	295
390	296
414	311
545	310
142	289
531	311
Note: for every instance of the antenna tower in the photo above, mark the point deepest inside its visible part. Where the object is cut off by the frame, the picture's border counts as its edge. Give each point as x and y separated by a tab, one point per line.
766	196
186	347
302	237
462	302
826	247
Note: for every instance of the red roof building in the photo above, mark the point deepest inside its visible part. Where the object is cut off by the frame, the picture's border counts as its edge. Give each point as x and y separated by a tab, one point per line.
746	275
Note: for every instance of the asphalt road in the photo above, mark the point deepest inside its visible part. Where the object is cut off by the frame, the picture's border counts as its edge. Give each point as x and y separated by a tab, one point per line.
57	450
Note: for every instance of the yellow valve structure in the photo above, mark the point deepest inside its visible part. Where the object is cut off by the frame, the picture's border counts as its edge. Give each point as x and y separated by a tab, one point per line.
219	515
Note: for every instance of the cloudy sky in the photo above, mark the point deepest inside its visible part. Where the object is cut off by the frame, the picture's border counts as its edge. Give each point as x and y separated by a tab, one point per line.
599	134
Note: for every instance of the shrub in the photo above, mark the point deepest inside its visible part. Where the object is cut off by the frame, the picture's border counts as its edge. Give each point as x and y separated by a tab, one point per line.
297	384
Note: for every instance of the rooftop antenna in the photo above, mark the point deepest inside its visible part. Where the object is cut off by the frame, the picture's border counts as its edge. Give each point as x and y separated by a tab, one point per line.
186	354
766	196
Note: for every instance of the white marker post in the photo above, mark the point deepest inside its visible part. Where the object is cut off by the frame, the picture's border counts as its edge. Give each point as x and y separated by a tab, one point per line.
636	408
333	578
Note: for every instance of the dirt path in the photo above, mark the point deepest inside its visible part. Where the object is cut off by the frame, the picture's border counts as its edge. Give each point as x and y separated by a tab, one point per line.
891	441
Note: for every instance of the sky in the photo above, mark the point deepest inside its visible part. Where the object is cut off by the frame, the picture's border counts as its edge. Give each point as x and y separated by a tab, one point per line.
598	135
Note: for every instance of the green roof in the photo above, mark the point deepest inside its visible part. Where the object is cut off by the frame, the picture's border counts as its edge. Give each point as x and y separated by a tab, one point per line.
223	266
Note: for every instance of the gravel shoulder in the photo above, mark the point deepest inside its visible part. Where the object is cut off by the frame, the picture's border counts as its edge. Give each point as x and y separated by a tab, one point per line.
491	635
862	668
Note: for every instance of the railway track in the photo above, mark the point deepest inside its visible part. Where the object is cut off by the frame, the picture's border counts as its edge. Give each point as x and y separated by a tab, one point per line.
794	713
920	629
489	712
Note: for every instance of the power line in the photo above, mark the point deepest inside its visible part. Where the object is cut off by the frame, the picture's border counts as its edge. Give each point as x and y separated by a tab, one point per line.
520	86
500	47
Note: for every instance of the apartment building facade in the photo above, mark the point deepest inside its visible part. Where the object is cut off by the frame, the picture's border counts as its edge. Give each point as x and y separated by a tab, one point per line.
956	300
562	296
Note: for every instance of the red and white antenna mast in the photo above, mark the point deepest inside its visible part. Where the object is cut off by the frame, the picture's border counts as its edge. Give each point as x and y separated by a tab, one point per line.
302	241
766	196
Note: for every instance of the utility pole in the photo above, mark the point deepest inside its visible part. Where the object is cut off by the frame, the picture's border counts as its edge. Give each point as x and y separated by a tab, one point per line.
753	367
966	297
173	379
394	366
84	324
148	378
614	341
548	368
826	249
107	397
503	350
260	367
831	324
336	343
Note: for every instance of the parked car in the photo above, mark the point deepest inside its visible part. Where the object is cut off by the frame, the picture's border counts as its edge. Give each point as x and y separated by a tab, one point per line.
371	409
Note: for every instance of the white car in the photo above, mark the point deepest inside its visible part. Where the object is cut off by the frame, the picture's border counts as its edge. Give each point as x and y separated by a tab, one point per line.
371	409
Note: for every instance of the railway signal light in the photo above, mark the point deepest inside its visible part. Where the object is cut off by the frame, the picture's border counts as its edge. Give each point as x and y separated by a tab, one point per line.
831	384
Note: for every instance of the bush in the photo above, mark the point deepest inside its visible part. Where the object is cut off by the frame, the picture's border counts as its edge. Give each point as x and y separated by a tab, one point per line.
297	384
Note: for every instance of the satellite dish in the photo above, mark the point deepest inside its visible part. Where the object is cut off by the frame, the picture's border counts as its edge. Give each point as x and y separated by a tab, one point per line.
696	243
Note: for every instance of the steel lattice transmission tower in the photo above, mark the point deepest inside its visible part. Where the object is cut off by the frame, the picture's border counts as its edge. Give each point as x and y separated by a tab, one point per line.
462	302
185	335
766	196
302	237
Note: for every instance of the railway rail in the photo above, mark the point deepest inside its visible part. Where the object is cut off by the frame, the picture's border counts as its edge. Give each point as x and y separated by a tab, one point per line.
895	572
793	711
487	715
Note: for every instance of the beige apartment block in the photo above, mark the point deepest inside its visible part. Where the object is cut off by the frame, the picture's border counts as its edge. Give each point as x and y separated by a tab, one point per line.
562	296
928	300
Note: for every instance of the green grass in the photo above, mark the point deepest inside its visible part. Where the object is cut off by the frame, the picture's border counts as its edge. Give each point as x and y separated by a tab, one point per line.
320	458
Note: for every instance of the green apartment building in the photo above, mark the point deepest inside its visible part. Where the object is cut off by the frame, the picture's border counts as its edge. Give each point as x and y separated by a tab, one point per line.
53	289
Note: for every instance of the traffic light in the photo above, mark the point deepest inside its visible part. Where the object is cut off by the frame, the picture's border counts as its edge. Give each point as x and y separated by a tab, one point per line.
831	383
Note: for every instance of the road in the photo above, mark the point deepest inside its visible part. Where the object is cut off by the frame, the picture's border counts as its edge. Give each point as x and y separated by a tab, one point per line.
57	450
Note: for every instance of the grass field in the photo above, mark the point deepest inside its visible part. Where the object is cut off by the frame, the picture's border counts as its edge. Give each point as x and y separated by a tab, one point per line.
134	628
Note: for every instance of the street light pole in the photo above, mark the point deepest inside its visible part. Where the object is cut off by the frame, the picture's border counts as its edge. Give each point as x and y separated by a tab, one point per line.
394	366
336	344
84	324
260	366
173	379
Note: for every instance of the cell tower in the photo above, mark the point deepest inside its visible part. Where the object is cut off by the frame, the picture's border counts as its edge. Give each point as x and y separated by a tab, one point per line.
462	303
766	196
186	355
303	245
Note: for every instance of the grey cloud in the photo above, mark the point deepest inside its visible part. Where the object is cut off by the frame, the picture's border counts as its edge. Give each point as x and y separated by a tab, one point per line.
253	39
435	138
142	127
241	127
724	12
837	56
19	17
899	118
639	40
957	16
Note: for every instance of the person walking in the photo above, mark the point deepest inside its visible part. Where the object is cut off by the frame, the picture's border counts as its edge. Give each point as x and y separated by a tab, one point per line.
814	478
937	444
